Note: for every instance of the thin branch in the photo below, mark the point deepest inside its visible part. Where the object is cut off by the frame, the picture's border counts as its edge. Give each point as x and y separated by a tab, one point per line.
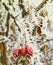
4	59
41	5
48	40
8	17
6	7
7	23
42	42
17	25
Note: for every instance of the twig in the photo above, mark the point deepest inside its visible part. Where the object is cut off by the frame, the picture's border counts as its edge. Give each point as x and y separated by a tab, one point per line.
4	59
6	7
17	25
7	23
48	40
41	5
8	17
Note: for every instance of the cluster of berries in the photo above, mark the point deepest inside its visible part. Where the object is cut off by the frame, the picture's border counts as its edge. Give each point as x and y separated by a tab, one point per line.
23	51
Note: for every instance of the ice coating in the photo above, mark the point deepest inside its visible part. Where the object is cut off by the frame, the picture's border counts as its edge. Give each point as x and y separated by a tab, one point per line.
21	33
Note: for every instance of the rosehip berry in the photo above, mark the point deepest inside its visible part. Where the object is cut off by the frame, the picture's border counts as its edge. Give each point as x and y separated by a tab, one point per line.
16	52
29	51
23	51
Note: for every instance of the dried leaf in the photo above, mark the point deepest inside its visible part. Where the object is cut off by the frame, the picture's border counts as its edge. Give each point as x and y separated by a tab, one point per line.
12	28
48	23
2	33
43	35
34	31
39	30
44	47
43	13
12	58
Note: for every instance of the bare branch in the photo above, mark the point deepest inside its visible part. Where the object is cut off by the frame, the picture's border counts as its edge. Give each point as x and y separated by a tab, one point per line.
7	23
4	59
41	5
17	25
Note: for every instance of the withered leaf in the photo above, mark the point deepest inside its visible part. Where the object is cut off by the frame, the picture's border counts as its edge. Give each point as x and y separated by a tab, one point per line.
44	47
43	14
39	30
34	31
43	35
2	33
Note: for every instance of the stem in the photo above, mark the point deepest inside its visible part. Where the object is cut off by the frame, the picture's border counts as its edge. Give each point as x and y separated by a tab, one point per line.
6	7
8	17
47	40
7	23
41	5
4	59
17	26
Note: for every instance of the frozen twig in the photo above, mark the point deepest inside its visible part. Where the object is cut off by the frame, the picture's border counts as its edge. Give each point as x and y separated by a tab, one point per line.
41	5
8	17
4	59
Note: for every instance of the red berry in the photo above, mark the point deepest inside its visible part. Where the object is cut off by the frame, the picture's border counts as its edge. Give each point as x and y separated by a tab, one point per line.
19	51
23	51
29	51
16	52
